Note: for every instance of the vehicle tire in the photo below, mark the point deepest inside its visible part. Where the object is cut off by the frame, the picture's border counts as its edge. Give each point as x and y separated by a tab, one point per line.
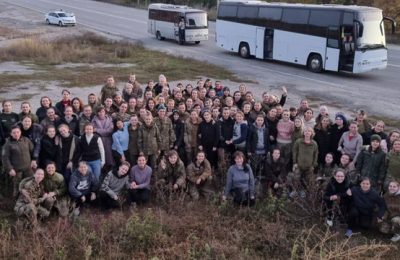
244	50
314	63
197	42
47	21
60	24
158	36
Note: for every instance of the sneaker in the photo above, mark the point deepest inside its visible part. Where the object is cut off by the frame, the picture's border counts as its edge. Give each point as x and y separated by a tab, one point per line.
349	233
395	238
133	206
76	212
329	222
293	194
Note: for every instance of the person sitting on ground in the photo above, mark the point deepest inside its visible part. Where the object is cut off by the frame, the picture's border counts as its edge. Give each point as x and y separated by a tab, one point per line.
364	199
275	172
326	170
199	176
139	178
335	192
113	186
349	169
56	191
82	186
391	219
171	173
240	182
30	199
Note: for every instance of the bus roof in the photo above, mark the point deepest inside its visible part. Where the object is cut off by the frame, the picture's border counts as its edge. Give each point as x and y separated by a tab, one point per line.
174	8
299	5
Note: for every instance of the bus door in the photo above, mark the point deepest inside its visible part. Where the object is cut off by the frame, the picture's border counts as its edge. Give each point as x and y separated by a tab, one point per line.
332	49
347	47
260	42
268	43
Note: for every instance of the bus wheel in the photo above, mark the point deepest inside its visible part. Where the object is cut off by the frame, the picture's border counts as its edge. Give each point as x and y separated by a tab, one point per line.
315	63
244	50
197	42
158	36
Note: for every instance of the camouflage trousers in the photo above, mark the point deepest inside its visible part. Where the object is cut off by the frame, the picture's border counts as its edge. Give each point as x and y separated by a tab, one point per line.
59	204
203	189
224	160
30	212
16	180
390	226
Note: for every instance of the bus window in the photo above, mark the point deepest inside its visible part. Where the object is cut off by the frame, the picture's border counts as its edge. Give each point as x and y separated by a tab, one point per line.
274	14
295	19
247	12
295	16
196	20
323	18
348	19
227	11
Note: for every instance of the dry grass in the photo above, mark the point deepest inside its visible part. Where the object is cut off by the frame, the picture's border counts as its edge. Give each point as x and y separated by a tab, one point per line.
89	49
182	229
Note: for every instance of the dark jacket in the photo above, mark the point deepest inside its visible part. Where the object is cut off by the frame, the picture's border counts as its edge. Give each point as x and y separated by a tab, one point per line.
73	124
17	154
225	132
34	133
41	112
323	139
335	188
179	129
7	121
208	134
367	136
275	172
272	128
70	150
372	164
252	139
50	151
365	202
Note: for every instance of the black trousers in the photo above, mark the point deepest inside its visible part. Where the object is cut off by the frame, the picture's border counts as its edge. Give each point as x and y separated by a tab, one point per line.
140	196
357	219
107	202
241	198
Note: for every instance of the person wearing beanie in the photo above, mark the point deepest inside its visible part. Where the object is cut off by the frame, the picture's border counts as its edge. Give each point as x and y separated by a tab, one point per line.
371	162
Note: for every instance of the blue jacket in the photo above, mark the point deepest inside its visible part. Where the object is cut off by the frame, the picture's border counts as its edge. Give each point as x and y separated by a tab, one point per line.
242	179
121	139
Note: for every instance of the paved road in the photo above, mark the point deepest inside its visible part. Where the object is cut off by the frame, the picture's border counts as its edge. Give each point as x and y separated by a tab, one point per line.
378	91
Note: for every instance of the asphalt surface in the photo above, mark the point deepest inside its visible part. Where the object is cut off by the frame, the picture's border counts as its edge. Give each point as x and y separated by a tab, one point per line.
378	92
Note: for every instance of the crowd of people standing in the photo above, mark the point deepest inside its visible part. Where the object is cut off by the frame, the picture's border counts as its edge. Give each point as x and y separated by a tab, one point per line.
123	144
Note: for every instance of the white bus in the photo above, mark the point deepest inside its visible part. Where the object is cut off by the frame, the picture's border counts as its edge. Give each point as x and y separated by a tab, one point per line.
322	37
164	20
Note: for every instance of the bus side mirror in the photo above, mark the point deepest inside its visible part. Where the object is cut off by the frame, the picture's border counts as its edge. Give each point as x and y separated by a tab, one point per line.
359	28
393	22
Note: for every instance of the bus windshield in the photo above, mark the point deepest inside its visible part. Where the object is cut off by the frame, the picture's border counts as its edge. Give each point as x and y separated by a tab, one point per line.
196	20
373	35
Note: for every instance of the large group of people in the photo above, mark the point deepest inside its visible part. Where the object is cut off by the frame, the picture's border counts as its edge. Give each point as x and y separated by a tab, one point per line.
132	144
